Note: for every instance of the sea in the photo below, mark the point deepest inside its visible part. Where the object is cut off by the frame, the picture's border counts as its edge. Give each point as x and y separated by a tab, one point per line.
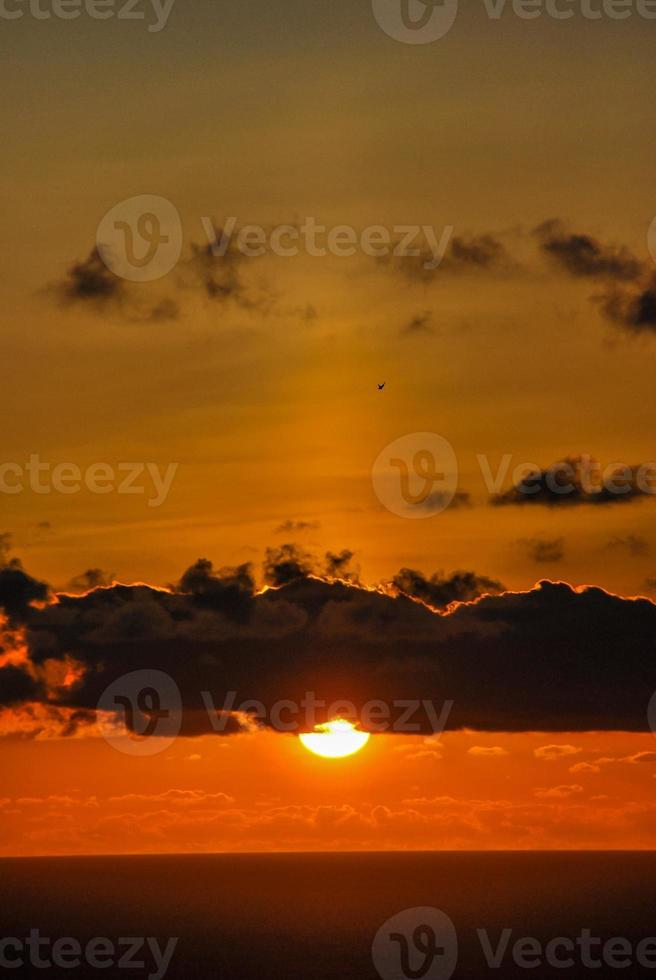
330	916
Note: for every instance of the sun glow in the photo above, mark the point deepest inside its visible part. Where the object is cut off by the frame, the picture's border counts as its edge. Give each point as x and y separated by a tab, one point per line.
335	739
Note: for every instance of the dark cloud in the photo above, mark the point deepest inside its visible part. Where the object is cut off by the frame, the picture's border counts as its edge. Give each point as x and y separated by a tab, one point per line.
444	500
18	590
297	527
627	285
16	686
634	544
287	564
543	549
93	578
551	659
340	566
583	256
628	298
464	254
217	267
478	252
228	590
91	283
219	273
441	590
634	308
579	481
421	323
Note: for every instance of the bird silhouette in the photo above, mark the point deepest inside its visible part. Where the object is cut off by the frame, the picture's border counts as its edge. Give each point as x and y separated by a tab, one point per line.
380	387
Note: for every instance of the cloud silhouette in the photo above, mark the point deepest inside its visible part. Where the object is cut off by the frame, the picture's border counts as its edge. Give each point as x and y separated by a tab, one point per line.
543	550
90	283
585	257
554	658
580	481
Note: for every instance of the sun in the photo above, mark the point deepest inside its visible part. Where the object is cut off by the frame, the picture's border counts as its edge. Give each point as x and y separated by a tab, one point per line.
335	739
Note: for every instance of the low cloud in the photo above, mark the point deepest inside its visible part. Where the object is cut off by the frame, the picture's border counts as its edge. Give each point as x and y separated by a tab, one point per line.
585	257
444	500
543	550
92	578
647	758
441	590
90	283
18	590
465	254
559	792
421	323
217	268
553	658
297	527
579	481
628	294
633	544
549	753
584	768
633	309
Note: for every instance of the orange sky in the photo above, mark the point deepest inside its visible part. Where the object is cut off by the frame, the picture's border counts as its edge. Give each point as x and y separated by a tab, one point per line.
265	402
266	792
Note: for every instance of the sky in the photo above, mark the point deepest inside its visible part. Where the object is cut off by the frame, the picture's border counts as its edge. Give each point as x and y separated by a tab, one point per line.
241	397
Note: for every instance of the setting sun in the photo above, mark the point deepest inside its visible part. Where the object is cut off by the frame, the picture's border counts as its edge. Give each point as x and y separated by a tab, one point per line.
335	740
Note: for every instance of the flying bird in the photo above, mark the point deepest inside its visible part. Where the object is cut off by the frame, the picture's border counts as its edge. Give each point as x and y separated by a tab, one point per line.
380	387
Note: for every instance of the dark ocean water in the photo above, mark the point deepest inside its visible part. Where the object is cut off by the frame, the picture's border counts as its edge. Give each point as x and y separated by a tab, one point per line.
314	917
